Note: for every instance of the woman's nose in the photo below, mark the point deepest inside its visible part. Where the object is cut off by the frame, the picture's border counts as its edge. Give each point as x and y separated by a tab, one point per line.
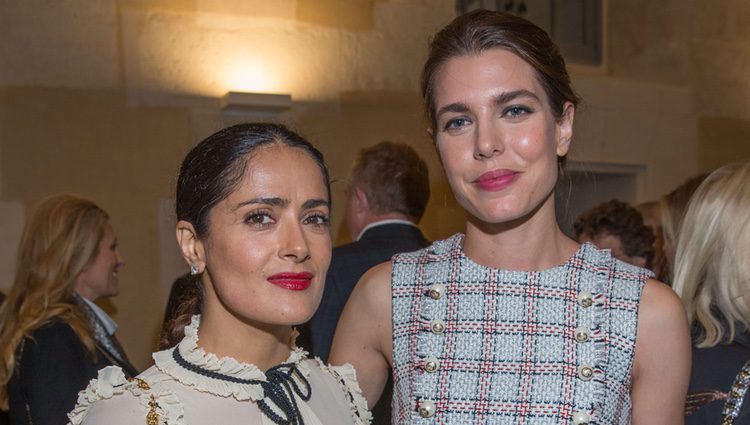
488	140
294	245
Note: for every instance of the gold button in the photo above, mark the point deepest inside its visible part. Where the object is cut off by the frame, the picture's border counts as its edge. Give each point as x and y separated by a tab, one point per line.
436	291
427	408
585	372
582	334
581	418
437	326
431	364
585	299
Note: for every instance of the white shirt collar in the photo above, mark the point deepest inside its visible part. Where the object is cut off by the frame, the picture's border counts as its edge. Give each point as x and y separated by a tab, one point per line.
382	222
107	321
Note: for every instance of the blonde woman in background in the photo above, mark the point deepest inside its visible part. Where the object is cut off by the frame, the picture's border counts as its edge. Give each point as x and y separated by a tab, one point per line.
53	339
712	276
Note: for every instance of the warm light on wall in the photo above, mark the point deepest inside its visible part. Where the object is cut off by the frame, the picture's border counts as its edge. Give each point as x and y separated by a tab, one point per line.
251	75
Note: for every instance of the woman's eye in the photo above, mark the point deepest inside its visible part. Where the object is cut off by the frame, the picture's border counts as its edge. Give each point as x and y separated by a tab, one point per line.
516	111
259	219
456	123
317	220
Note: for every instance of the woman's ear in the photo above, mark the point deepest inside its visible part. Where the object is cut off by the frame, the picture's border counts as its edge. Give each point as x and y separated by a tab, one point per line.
191	247
565	129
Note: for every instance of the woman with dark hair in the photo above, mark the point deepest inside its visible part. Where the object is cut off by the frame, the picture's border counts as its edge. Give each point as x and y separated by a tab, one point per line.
512	322
253	203
53	338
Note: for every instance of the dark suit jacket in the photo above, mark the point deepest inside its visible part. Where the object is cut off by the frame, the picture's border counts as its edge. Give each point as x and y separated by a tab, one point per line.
52	367
348	263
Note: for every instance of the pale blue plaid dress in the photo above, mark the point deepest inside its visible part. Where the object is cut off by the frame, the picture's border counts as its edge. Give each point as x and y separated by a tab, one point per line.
476	345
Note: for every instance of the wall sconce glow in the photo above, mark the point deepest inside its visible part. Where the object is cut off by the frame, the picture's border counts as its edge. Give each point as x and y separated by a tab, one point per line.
255	102
250	75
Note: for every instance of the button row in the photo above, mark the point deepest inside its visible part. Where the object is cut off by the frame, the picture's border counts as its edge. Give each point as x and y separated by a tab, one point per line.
427	408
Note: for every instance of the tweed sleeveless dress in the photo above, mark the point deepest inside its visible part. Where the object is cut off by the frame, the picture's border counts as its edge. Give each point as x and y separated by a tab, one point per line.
476	345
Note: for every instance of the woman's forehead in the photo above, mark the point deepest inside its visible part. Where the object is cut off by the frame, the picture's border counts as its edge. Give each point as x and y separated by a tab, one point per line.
492	72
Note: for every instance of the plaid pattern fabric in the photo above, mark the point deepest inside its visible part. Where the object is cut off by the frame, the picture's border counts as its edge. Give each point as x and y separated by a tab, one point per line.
508	352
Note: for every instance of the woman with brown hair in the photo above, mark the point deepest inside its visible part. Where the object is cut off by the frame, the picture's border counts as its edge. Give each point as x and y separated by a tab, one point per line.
53	338
512	322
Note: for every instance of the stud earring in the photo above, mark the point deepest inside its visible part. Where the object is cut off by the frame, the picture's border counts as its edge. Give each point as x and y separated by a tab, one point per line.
194	270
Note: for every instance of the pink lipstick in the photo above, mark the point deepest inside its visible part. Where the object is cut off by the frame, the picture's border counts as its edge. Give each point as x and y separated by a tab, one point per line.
497	180
292	281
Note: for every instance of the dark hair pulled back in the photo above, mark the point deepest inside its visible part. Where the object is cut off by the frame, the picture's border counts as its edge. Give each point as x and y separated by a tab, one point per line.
213	168
482	30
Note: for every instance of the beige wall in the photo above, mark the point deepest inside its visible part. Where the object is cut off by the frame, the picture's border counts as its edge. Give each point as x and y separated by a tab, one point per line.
701	45
104	97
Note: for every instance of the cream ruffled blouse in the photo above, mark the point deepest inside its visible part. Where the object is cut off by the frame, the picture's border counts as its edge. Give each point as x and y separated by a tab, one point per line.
189	386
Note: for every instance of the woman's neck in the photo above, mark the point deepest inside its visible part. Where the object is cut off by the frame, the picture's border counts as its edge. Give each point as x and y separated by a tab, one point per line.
226	335
531	243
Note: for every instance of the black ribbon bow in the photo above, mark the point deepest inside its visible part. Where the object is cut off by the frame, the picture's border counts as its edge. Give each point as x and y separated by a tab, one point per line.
278	388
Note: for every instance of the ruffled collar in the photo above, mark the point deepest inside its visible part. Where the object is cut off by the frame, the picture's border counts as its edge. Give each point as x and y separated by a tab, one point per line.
228	366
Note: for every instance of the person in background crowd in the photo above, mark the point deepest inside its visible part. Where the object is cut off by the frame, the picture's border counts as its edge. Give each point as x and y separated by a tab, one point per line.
672	207
53	338
387	194
512	321
652	219
617	226
253	204
712	276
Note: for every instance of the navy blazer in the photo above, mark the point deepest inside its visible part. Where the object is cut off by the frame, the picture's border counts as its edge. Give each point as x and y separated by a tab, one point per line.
52	367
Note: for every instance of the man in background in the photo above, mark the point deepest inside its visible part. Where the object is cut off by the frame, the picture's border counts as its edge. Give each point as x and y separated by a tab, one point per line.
387	194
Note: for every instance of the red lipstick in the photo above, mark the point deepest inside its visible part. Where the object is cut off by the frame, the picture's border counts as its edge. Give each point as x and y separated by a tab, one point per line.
496	180
292	281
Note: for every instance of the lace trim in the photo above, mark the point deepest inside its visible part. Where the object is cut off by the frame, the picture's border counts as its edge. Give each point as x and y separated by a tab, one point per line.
346	376
192	353
161	406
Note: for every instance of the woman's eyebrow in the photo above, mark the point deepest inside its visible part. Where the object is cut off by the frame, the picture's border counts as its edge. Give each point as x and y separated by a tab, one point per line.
314	203
510	96
457	107
271	202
